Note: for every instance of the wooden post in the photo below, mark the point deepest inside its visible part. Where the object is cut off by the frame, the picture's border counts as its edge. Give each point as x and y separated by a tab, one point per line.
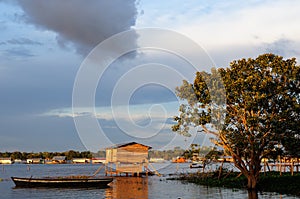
280	168
268	166
292	168
220	170
111	170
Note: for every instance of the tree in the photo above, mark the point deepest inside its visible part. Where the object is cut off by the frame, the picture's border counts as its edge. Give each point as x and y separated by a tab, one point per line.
253	110
16	155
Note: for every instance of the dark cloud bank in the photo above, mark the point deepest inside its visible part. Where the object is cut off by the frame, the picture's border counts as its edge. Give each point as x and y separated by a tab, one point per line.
82	23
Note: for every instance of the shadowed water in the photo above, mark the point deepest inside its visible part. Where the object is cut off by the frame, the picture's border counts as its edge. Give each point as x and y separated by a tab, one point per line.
122	187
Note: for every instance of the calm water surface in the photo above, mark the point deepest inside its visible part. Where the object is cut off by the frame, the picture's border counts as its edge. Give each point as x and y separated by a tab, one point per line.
122	187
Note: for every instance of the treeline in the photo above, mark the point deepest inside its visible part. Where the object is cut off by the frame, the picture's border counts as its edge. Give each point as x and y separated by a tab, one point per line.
46	155
166	154
177	151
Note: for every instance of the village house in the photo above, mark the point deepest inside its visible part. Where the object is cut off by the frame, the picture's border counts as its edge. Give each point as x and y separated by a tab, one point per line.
98	160
129	158
6	161
81	161
59	159
19	161
35	161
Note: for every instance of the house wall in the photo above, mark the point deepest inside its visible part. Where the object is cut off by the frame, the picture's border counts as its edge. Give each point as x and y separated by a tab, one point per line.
111	155
5	161
81	160
134	153
126	156
129	168
130	158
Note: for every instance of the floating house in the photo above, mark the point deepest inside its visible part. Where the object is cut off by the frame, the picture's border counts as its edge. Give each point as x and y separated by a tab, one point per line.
6	161
98	160
59	160
129	158
19	161
157	160
81	161
35	161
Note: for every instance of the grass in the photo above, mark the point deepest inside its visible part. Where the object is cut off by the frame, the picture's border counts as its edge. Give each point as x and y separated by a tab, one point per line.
269	182
285	184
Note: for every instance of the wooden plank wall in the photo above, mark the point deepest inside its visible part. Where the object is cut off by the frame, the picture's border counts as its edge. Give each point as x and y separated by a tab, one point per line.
111	155
129	168
125	156
134	153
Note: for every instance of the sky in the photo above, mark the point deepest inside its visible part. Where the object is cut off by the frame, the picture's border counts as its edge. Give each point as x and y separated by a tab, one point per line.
85	75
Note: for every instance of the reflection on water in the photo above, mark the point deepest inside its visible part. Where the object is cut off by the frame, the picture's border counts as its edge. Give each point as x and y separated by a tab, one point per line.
128	187
121	187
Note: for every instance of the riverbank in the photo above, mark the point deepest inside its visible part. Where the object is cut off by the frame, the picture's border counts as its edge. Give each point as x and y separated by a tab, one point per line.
269	181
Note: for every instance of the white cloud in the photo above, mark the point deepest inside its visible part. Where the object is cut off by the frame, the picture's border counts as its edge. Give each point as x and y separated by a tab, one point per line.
134	114
233	27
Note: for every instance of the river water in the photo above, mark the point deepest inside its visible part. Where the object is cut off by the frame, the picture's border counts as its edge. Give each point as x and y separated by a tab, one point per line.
122	187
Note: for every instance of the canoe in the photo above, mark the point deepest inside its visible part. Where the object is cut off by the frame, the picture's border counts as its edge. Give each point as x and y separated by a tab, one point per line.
196	165
62	182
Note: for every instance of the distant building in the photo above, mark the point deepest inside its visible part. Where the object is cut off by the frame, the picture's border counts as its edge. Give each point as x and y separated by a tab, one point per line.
81	161
98	160
35	161
6	161
225	159
128	158
157	160
59	159
19	161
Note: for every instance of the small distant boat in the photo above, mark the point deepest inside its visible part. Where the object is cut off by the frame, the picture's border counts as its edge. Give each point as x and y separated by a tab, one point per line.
194	165
62	182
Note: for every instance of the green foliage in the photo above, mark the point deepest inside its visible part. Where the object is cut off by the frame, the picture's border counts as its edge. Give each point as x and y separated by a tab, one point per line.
167	154
46	155
252	107
284	184
271	182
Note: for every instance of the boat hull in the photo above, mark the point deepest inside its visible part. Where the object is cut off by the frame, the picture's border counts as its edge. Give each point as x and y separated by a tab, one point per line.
195	166
62	182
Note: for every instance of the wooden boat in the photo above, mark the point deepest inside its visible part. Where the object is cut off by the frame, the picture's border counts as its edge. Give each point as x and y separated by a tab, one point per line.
195	164
62	182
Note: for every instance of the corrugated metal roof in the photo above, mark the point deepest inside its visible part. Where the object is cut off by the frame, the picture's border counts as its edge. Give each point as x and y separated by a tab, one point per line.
59	158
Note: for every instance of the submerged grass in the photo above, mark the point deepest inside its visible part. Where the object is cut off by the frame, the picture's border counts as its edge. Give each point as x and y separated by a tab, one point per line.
269	181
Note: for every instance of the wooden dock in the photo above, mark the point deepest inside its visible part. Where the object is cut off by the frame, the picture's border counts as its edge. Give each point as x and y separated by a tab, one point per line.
284	165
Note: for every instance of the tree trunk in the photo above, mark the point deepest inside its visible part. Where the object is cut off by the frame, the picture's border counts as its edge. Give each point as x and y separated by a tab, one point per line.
252	194
252	182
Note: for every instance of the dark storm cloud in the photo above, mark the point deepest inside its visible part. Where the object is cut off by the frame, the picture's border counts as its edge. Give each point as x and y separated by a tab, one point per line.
82	23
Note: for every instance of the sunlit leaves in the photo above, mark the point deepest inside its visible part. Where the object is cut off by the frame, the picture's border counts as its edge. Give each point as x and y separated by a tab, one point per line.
262	103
